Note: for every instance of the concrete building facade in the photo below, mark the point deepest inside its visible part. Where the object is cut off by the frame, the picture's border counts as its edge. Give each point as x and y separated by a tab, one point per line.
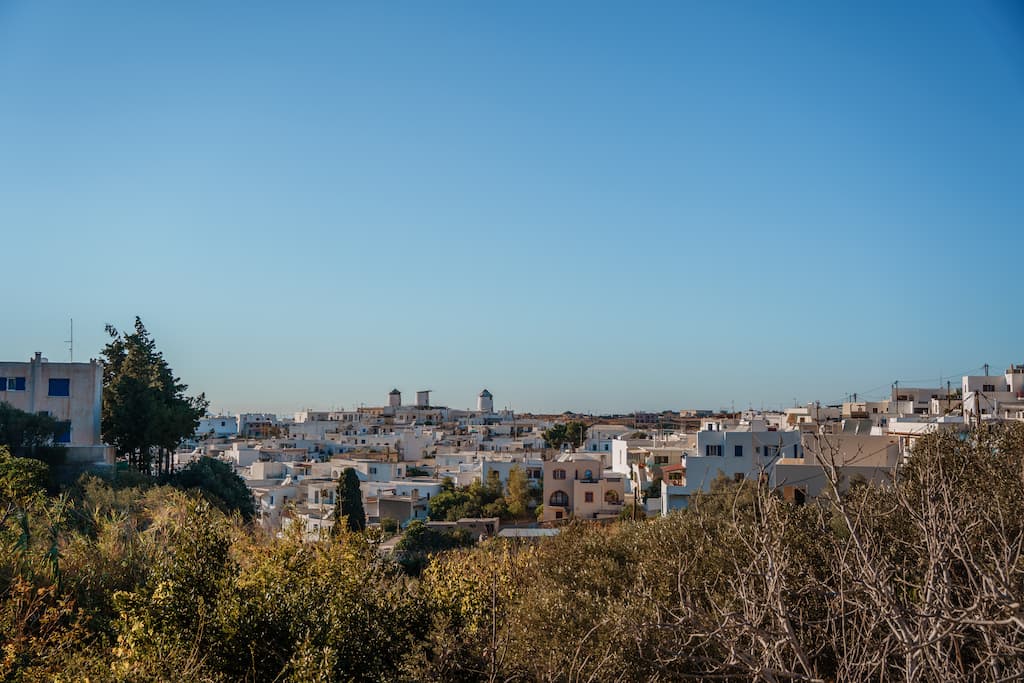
71	393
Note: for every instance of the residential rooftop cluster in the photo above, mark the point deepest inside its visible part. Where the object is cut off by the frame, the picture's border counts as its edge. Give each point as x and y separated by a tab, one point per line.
626	465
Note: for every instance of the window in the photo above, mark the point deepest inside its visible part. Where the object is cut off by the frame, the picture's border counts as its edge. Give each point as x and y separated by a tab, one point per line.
559	499
15	384
60	387
65	435
771	451
661	460
611	497
558	474
713	449
988	387
588	497
558	515
373	470
738	477
737	451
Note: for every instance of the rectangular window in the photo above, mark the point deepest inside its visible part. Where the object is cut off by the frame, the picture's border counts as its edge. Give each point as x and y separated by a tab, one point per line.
15	384
712	450
738	451
3	384
65	434
588	497
60	387
988	387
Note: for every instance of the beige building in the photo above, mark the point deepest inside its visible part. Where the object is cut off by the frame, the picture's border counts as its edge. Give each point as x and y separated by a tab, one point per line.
575	486
854	457
71	393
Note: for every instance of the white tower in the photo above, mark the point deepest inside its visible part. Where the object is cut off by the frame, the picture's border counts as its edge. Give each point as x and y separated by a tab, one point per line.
423	399
485	402
395	398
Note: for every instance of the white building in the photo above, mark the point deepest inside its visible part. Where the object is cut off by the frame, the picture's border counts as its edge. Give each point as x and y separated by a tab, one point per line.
485	402
257	425
736	451
983	394
600	438
219	426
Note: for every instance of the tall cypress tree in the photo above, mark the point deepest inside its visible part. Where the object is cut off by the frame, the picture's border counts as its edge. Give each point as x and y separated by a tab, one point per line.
348	503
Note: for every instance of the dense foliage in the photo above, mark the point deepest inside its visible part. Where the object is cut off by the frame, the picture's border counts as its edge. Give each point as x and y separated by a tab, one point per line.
218	480
922	580
573	433
32	435
485	499
146	413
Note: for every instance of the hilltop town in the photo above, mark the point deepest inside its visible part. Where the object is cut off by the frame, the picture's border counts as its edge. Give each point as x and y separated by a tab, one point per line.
406	453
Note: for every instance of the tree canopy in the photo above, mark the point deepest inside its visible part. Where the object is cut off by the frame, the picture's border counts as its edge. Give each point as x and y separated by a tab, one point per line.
32	435
348	503
915	579
573	432
146	412
217	479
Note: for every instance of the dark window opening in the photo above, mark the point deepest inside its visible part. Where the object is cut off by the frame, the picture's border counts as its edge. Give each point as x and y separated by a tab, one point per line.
60	387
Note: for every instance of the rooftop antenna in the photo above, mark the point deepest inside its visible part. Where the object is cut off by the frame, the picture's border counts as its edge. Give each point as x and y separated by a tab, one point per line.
70	341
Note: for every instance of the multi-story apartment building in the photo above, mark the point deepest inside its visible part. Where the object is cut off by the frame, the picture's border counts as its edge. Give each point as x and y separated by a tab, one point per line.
72	393
575	486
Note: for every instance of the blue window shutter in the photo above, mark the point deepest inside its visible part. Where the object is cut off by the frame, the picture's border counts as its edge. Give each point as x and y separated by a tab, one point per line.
65	436
60	387
3	384
19	384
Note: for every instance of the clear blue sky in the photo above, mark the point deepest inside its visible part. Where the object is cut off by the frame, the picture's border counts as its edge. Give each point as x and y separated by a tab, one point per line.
593	206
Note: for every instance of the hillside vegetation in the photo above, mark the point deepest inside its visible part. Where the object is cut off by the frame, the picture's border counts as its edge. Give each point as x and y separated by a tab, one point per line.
918	581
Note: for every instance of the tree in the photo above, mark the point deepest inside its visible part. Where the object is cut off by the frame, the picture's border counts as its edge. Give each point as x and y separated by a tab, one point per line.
573	433
21	479
555	436
576	432
348	503
145	408
219	480
420	543
448	502
32	435
519	493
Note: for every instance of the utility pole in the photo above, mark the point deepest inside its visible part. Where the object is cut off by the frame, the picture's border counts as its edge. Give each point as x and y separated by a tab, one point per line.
70	341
